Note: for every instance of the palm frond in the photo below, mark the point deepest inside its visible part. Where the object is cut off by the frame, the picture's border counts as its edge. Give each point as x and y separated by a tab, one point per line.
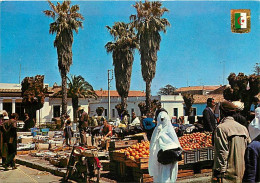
49	13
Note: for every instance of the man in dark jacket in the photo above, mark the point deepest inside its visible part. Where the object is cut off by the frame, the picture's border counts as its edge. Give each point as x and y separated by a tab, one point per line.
252	161
209	118
83	124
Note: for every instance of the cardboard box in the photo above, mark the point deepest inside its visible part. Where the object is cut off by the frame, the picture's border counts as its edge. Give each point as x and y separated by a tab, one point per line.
27	140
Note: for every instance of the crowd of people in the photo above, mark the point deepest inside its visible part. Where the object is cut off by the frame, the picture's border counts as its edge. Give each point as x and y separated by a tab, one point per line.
236	141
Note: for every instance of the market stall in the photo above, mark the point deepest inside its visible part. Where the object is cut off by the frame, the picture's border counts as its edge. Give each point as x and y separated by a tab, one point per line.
130	163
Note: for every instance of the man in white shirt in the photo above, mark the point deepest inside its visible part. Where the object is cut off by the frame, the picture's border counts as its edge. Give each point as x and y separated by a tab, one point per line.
135	120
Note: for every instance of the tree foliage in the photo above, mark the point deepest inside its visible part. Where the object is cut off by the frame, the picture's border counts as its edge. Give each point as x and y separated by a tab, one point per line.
167	90
154	105
33	94
243	88
125	41
79	88
149	24
66	20
188	100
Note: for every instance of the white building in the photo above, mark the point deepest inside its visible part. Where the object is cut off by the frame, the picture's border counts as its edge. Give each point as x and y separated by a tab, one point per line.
11	101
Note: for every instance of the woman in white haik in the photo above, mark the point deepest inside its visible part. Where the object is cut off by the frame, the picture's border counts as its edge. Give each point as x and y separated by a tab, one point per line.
164	137
254	126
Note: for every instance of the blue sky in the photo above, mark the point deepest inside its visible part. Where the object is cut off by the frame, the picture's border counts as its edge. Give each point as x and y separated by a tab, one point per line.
192	51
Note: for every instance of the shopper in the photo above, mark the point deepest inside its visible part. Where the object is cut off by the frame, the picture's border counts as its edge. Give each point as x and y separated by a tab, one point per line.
164	137
83	124
9	145
148	126
238	116
230	142
209	118
68	133
254	126
252	161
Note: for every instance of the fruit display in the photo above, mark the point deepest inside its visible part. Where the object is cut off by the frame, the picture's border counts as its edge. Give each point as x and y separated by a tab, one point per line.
196	140
136	151
187	142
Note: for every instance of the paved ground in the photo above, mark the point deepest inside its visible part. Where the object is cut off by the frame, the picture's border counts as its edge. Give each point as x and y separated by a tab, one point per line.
24	174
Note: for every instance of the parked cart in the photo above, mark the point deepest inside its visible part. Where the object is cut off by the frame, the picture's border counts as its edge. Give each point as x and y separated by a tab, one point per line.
83	165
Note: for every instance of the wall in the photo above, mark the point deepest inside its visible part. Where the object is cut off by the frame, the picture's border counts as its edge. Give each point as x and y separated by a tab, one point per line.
169	102
46	113
132	103
200	108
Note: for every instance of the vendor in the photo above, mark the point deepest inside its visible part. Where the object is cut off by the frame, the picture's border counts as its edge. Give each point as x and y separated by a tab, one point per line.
106	132
107	129
135	120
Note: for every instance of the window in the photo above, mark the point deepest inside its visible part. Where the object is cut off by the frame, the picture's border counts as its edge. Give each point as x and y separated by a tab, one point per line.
105	112
56	111
7	106
19	109
175	112
113	113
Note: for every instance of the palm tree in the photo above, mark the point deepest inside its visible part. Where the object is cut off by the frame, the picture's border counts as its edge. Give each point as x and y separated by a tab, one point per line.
125	41
66	20
79	88
149	24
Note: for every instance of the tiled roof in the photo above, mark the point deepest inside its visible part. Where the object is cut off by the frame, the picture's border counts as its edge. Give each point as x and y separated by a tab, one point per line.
190	88
113	93
200	99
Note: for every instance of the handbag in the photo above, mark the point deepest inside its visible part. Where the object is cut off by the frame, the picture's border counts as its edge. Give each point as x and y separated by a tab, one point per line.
169	156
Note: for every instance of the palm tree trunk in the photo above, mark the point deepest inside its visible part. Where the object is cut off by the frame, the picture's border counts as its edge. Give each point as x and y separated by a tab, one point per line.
75	103
64	91
123	103
148	97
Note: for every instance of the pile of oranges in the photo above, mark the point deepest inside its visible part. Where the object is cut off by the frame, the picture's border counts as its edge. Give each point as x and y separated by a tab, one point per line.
136	151
196	140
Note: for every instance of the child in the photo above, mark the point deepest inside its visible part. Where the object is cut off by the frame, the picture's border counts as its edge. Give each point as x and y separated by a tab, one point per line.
68	133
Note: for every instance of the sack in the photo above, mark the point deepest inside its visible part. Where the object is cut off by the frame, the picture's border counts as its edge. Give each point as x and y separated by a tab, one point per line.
169	156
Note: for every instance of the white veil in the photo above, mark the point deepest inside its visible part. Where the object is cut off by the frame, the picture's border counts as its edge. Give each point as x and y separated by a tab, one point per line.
254	126
164	137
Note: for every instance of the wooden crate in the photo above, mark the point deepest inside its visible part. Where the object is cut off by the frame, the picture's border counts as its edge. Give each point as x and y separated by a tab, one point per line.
141	163
120	144
141	175
185	173
117	156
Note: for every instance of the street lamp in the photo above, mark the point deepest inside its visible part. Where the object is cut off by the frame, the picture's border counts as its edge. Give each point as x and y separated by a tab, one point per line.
110	78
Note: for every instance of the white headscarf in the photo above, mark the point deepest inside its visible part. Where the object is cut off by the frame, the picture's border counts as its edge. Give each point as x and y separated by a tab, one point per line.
164	137
254	126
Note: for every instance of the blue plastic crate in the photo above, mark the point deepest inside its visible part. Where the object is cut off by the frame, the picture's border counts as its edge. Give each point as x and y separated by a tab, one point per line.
45	131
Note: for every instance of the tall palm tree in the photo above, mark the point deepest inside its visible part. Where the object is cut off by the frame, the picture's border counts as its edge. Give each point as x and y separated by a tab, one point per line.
66	20
79	88
125	41
149	24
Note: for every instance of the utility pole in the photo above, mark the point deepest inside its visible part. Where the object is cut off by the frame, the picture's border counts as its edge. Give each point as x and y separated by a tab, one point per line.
109	81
